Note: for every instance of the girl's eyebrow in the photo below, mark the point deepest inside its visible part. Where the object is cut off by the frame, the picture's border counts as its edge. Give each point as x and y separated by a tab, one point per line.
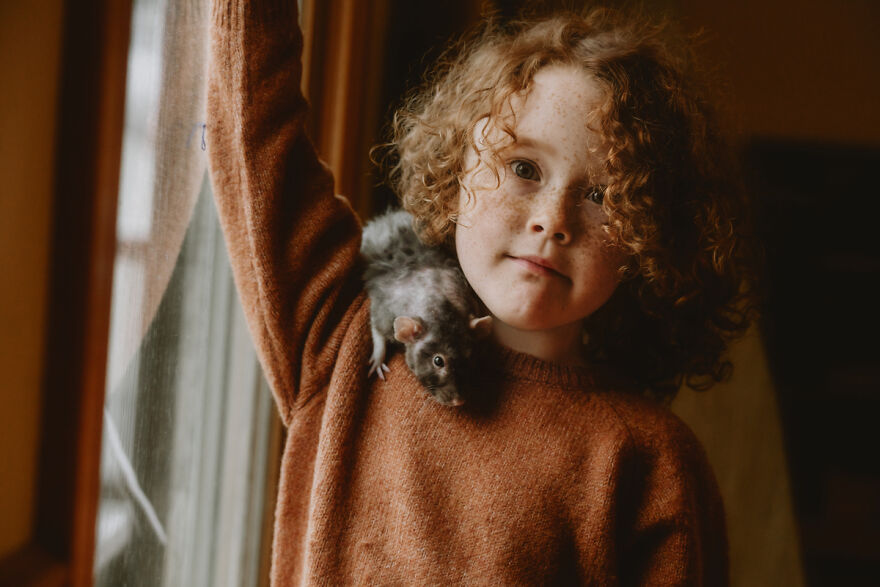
537	144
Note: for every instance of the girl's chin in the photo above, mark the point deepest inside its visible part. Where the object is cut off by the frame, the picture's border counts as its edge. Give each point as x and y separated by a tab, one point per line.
524	321
522	312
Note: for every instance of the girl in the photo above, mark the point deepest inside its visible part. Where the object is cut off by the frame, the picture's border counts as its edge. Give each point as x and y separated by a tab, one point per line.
573	169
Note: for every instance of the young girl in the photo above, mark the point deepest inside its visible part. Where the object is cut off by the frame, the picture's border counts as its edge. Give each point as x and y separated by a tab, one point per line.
574	170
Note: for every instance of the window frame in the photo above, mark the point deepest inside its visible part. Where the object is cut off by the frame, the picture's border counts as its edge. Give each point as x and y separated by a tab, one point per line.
87	153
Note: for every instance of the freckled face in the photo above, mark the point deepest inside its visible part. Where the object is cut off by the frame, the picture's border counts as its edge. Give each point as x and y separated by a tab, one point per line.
532	247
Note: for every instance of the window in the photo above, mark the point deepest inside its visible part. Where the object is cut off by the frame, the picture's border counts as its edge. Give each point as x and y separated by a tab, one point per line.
187	415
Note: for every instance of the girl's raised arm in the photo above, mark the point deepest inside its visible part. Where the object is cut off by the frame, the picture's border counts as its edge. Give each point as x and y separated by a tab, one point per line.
292	244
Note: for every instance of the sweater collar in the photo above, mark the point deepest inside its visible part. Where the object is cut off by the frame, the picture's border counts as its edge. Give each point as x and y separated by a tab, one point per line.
514	365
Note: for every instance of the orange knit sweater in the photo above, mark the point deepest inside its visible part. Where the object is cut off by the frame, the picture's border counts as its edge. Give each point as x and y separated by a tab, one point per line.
554	475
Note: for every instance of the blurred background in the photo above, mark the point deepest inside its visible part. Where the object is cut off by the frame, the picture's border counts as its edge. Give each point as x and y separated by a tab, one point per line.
792	437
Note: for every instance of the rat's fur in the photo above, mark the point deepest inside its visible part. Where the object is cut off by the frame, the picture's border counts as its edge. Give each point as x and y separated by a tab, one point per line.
419	297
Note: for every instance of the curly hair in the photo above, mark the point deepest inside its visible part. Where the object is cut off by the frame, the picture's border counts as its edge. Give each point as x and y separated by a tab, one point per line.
674	203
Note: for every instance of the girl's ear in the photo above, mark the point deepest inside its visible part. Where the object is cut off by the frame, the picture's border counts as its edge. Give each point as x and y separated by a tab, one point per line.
482	327
407	330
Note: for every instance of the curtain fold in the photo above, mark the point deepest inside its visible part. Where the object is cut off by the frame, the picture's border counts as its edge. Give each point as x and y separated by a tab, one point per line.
164	165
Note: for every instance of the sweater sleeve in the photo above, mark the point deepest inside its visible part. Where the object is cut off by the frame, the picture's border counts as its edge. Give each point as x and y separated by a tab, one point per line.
671	527
293	245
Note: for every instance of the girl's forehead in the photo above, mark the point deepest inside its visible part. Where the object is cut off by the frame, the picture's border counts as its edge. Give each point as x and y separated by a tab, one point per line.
565	81
556	115
561	101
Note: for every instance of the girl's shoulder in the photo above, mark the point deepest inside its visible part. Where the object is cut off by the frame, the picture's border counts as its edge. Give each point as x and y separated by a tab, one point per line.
651	434
642	415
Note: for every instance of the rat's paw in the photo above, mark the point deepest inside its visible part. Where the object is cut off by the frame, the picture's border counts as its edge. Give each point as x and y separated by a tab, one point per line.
379	368
377	360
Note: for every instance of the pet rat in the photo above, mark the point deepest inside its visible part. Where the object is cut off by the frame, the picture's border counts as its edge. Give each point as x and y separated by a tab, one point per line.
420	298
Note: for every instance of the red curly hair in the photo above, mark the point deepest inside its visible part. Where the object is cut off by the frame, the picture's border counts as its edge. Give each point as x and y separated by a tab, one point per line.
673	201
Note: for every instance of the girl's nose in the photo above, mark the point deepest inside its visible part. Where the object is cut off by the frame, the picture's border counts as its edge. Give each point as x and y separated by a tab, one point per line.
550	218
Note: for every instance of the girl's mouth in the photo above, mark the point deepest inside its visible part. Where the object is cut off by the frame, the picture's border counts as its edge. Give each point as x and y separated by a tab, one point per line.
537	265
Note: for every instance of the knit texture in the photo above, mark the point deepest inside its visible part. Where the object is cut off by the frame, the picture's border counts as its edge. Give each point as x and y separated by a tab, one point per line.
550	474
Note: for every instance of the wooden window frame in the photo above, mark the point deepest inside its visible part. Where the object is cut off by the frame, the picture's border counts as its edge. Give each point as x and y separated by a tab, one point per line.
87	155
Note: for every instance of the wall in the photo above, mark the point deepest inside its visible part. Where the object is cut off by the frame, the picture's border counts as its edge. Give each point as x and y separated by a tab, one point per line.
30	37
806	70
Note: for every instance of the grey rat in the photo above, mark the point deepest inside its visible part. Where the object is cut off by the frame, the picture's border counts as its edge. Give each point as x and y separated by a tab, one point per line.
420	298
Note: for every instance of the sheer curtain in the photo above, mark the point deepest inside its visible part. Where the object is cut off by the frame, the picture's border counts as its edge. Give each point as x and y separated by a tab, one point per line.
187	414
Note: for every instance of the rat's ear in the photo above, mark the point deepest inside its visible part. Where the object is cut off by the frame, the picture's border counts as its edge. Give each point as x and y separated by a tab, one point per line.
407	330
482	327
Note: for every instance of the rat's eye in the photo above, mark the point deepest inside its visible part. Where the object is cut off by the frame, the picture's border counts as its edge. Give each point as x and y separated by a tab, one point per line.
438	361
596	194
525	170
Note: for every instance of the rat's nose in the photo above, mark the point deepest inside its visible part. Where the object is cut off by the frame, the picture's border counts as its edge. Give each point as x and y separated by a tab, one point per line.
456	401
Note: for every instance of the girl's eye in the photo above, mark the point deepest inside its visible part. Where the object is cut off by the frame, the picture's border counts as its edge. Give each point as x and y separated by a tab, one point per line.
595	194
525	170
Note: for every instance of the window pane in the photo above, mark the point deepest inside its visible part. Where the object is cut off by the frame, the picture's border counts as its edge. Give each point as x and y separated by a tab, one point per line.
187	413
